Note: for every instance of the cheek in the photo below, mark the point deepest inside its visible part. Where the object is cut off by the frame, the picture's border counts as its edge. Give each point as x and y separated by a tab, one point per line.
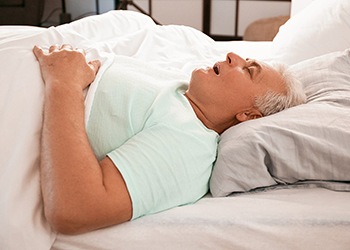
240	97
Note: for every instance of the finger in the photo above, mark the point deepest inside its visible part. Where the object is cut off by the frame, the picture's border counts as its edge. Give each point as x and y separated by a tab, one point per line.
53	48
38	52
81	51
95	65
66	46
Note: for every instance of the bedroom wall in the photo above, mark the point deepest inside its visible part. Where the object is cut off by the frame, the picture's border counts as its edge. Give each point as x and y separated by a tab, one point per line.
185	12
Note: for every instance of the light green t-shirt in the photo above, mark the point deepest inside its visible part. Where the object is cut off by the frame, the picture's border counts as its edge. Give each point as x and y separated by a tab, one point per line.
143	122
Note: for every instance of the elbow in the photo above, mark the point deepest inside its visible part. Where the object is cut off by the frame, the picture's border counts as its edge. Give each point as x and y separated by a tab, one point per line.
63	222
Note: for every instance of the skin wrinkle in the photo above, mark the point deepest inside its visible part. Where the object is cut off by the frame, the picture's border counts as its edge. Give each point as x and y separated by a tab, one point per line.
228	98
82	194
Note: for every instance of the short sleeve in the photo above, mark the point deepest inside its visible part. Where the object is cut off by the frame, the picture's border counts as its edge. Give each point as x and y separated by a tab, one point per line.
165	166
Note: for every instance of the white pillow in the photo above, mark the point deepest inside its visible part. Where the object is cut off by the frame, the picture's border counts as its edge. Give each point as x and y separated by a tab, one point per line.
309	142
321	27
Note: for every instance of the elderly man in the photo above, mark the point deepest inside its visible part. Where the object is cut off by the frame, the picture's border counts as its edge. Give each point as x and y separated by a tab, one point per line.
147	146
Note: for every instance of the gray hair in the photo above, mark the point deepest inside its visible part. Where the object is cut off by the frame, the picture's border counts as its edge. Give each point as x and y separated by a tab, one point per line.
273	102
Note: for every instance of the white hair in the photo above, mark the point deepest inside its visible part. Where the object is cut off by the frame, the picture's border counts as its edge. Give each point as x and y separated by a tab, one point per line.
273	102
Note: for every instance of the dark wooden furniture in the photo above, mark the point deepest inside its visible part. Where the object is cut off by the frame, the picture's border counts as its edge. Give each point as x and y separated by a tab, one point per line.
21	12
123	5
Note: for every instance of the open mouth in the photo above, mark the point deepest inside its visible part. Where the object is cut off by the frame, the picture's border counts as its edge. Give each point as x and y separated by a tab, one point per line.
216	68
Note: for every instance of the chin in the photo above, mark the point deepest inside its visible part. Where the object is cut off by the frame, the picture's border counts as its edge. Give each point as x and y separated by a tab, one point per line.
199	74
201	71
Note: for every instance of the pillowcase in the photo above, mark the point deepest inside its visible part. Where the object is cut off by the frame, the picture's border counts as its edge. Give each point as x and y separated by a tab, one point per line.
321	27
309	142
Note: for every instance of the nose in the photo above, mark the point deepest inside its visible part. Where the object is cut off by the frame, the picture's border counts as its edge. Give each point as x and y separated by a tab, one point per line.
233	59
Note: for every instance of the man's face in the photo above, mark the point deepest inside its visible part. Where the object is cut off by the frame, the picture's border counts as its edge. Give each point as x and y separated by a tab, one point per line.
230	87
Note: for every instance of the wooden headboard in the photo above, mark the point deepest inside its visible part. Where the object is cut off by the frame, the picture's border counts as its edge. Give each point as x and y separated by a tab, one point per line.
207	19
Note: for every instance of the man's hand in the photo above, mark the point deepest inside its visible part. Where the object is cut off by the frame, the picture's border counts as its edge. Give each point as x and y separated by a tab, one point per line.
65	65
80	193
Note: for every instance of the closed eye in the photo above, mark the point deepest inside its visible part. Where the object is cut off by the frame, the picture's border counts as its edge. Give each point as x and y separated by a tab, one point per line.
249	70
254	68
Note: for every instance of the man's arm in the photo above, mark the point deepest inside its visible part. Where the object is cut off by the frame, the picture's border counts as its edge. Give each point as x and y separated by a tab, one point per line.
80	194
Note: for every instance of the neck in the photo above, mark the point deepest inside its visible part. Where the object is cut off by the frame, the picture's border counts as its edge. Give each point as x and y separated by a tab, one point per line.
217	127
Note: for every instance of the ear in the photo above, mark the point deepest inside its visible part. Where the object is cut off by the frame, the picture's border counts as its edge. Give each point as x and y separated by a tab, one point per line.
248	115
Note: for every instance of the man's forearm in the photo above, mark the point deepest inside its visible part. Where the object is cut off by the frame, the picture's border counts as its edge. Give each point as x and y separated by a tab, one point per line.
68	166
80	194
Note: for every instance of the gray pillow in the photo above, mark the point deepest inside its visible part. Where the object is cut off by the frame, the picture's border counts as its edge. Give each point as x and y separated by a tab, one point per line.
310	142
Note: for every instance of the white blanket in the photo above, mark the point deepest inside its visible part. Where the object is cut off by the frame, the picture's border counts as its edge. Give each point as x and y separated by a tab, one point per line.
22	224
280	219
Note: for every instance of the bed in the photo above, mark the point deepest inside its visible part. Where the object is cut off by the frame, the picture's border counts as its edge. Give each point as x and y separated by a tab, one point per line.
280	182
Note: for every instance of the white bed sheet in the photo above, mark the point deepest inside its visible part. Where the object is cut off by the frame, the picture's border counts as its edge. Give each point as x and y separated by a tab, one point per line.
310	219
21	99
244	221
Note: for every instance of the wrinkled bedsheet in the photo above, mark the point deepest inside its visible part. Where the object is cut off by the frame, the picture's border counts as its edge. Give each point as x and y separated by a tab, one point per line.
276	219
22	224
